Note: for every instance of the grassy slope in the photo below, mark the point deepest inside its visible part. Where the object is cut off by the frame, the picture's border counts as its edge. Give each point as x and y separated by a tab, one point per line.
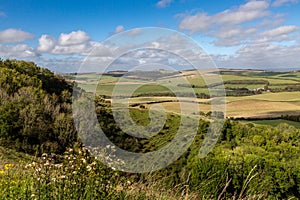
10	156
275	122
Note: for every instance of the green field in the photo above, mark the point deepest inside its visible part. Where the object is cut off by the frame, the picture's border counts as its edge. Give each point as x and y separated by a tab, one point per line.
151	89
275	122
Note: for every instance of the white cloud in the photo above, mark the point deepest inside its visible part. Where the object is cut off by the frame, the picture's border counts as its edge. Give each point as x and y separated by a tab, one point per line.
231	27
248	12
233	36
74	43
71	49
119	29
97	49
278	3
196	23
245	13
14	35
17	51
282	30
135	32
163	3
262	56
46	43
73	38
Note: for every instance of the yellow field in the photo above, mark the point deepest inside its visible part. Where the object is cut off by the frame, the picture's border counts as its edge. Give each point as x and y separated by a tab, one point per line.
263	105
281	96
260	108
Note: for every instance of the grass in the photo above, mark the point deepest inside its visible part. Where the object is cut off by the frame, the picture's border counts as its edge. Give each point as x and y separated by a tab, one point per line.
260	108
272	80
78	176
275	122
250	87
264	105
13	157
280	96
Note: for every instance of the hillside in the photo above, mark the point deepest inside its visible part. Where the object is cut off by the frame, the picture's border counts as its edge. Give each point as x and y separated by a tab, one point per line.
41	156
35	109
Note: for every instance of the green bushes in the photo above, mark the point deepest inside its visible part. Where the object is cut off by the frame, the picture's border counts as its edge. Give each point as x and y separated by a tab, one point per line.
35	109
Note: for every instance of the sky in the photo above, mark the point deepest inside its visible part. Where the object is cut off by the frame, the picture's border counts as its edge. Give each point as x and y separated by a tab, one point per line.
59	34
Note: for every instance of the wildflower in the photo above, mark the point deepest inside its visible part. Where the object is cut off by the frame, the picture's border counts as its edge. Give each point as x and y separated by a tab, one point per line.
2	172
88	168
58	165
44	155
28	166
38	169
62	177
7	166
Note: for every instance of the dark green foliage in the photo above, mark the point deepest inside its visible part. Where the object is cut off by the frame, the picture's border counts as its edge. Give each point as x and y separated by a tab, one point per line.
295	118
35	108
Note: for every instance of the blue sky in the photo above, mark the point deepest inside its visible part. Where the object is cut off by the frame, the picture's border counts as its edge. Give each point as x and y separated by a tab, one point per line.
237	34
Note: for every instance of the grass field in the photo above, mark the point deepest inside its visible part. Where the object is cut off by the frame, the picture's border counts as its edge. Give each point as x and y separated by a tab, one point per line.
274	122
268	104
280	96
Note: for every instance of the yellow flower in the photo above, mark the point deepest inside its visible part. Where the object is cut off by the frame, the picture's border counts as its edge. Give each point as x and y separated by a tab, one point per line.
2	172
7	166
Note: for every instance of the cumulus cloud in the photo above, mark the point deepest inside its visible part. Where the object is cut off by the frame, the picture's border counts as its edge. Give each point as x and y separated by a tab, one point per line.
280	31
119	29
14	35
232	36
76	42
245	13
97	49
248	23
71	49
46	43
73	38
196	23
278	3
262	56
163	3
17	51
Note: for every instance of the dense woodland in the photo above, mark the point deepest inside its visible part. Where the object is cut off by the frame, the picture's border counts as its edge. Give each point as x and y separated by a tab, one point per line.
249	161
35	109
